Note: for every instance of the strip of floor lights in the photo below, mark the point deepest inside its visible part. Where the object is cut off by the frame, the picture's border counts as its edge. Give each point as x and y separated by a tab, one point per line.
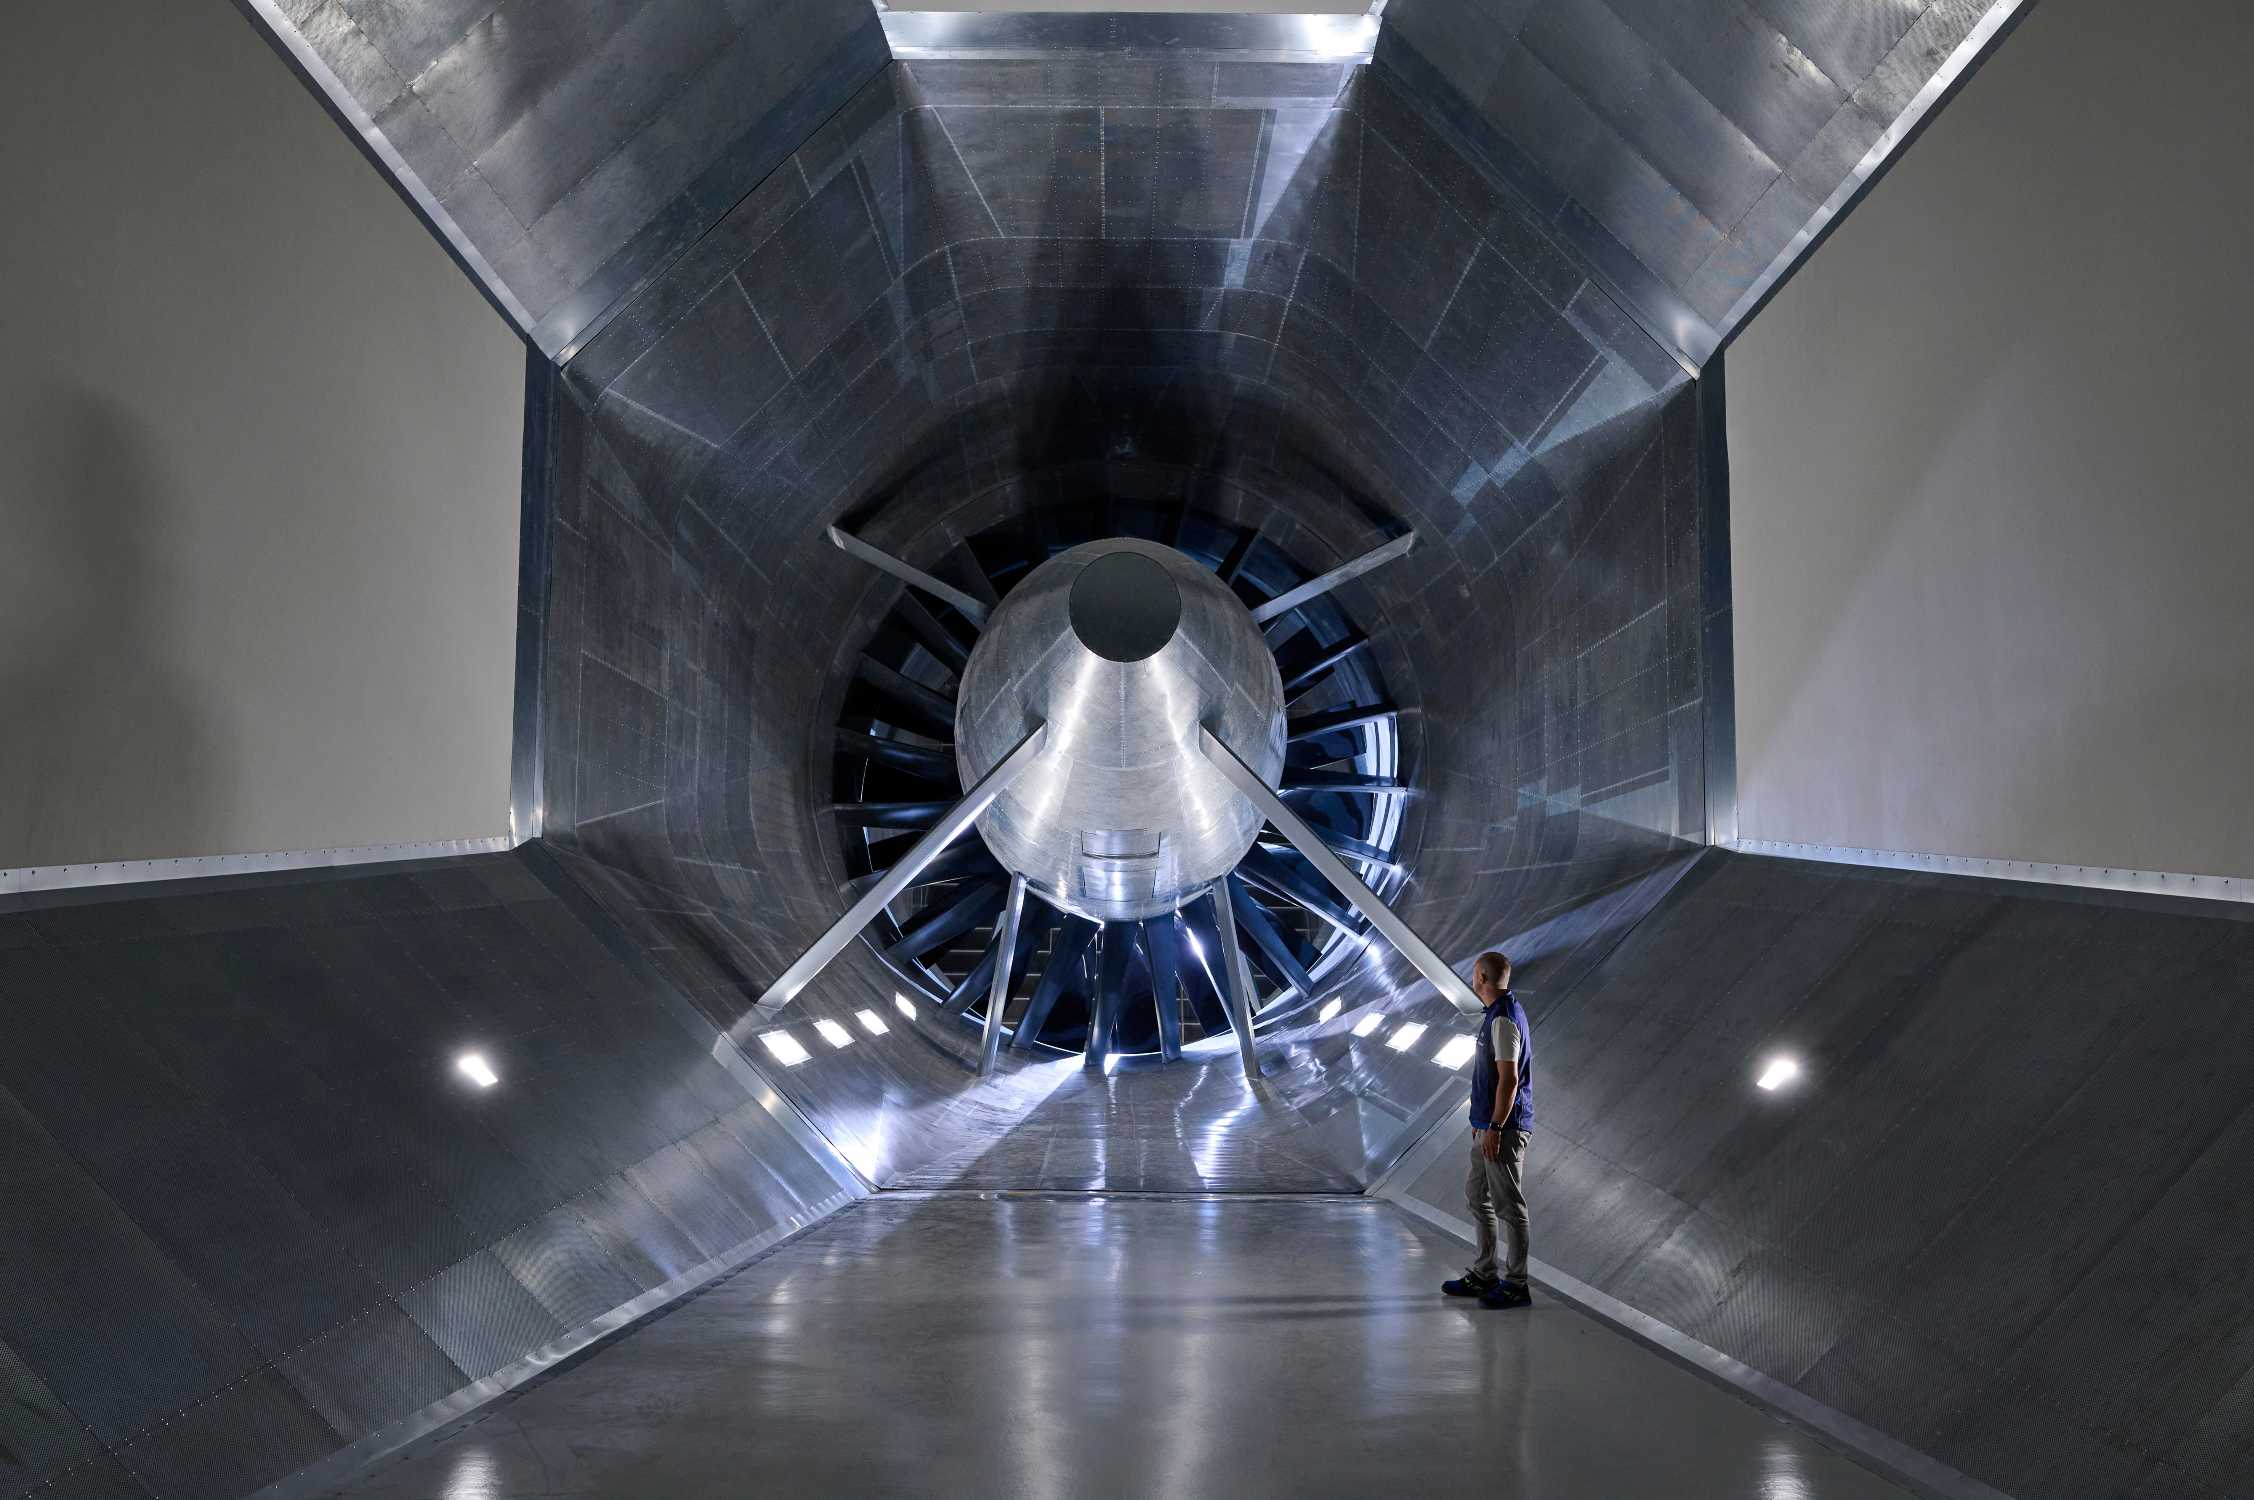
784	1048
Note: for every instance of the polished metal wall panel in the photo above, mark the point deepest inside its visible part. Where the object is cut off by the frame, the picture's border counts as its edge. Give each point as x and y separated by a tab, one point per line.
568	156
2010	1101
256	1214
1690	151
362	1375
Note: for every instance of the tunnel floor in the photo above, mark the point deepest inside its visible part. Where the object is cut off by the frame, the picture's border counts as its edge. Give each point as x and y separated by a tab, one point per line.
960	1343
1180	1129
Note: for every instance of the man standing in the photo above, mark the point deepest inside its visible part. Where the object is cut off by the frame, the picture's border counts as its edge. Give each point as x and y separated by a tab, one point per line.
1502	1121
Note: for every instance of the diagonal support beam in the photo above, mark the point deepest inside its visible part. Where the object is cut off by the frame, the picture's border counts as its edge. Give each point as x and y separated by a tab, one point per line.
1237	990
916	578
998	998
1315	588
897	879
1288	823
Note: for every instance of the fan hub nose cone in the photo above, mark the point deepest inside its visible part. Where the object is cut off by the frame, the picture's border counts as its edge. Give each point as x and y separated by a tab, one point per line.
1124	648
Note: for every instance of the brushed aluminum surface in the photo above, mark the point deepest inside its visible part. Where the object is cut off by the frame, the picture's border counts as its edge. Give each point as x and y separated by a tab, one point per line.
917	36
1121	816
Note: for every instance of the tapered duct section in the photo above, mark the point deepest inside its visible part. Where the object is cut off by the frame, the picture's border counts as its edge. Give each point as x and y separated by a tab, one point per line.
293	1165
1124	649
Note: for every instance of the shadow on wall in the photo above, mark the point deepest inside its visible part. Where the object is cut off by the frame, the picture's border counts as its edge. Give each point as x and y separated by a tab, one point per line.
107	750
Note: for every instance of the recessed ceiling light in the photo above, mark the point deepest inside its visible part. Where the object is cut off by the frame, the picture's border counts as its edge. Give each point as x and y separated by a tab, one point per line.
783	1047
1406	1037
1779	1072
1368	1024
1330	1008
904	1005
1456	1052
871	1022
834	1034
474	1067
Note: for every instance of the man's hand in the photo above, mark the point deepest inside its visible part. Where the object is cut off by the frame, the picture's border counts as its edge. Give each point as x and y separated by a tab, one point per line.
1491	1144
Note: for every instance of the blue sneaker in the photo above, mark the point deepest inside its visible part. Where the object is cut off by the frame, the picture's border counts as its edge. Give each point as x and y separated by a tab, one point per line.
1470	1284
1507	1294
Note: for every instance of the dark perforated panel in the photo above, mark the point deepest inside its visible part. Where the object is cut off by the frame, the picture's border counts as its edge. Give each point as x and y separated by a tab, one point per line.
559	1260
480	1315
100	1478
91	1305
252	1433
370	1371
253	1210
39	1437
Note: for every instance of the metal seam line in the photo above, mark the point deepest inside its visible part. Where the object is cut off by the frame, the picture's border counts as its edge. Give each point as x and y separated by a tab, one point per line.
270	15
2040	872
208	866
1315	588
914	577
928	848
1328	865
1969	54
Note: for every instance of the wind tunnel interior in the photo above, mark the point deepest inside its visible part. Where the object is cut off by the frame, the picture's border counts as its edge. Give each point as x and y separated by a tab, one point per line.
1274	314
1276	326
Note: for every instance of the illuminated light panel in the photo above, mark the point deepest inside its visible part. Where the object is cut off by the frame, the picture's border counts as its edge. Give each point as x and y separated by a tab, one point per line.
474	1067
1408	1036
1456	1052
1779	1072
871	1022
1330	1008
1368	1024
834	1034
784	1048
905	1006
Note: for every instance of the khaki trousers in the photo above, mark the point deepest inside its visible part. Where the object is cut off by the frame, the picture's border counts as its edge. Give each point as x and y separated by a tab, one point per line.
1496	1192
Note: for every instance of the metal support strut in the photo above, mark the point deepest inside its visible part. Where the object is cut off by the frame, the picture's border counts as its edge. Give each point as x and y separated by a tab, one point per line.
1005	949
1315	588
1332	869
1238	991
903	874
915	577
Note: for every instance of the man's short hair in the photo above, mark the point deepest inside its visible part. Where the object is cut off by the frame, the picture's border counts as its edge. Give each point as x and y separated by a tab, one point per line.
1492	965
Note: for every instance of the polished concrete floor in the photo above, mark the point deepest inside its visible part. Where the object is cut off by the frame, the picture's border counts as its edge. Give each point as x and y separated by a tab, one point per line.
1076	1345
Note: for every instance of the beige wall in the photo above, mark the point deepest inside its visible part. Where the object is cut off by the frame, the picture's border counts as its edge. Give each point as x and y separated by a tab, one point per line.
1993	522
258	464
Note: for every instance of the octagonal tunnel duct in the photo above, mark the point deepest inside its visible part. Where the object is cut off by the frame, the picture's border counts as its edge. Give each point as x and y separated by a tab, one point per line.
1494	729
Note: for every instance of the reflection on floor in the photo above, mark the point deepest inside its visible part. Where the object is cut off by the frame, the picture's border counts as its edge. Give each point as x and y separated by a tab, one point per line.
966	1344
1180	1129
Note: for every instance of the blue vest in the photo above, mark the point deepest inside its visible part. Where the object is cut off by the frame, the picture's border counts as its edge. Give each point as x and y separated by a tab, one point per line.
1485	1071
